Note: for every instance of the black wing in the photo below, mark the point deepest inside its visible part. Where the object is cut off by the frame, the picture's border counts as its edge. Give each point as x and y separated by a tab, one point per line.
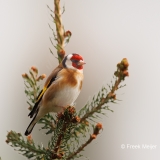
49	81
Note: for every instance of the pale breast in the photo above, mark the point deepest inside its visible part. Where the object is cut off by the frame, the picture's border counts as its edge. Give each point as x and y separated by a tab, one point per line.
65	90
66	96
70	83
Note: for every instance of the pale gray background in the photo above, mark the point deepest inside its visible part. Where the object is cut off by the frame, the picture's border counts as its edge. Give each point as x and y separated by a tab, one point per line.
104	32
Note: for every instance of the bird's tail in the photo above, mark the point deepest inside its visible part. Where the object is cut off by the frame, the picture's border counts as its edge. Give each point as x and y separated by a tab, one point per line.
31	125
38	115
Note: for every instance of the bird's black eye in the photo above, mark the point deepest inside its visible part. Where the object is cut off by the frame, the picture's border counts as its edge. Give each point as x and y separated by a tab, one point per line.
75	61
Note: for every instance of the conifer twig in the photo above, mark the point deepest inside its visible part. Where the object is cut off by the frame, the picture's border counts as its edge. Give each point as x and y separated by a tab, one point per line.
61	36
60	31
28	147
57	147
91	138
66	120
121	73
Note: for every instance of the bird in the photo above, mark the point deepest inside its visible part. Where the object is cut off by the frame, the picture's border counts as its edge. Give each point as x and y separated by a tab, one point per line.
60	90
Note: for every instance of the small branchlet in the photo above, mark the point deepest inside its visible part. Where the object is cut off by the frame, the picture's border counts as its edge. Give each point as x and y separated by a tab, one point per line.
104	97
60	31
96	130
61	36
31	87
66	121
27	147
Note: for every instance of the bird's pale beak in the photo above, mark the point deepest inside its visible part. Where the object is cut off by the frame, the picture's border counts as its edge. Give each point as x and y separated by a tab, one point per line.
81	63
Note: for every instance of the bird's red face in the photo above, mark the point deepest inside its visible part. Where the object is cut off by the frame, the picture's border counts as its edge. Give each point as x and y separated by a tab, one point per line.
77	61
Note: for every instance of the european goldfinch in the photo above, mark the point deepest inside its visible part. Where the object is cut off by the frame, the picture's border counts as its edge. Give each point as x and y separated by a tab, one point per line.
61	89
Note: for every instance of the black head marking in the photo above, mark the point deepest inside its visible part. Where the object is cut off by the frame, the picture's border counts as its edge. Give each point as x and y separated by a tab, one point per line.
64	62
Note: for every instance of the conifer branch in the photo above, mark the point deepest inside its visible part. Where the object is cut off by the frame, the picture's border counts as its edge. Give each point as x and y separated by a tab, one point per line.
60	31
65	123
61	37
91	138
28	147
69	129
120	74
58	143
